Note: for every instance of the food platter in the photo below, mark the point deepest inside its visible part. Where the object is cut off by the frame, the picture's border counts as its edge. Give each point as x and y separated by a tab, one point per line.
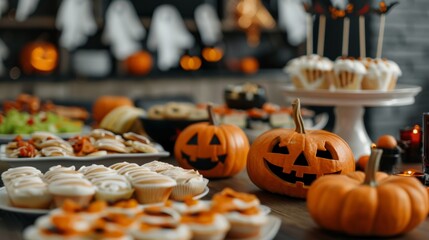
5	204
5	138
43	163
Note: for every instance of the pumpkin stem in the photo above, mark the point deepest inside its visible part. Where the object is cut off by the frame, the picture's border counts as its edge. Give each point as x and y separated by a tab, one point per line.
297	117
372	167
212	117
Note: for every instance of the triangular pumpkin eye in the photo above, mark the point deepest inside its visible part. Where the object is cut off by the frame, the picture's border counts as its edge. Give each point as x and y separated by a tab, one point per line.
215	140
326	153
193	140
280	149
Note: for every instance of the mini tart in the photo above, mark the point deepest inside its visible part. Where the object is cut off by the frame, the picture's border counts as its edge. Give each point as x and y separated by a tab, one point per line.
206	225
112	188
56	143
29	192
136	137
118	166
55	151
153	188
13	173
160	223
230	200
139	147
102	133
189	182
58	226
81	191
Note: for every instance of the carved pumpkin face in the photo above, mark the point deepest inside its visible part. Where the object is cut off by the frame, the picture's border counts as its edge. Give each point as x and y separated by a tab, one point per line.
215	151
287	161
39	57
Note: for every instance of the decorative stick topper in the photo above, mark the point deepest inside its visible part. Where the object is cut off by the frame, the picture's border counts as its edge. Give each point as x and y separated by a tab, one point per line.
123	30
168	35
25	8
339	13
76	21
382	11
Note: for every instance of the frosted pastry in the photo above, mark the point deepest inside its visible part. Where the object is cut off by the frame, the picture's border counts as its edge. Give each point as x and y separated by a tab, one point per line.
157	166
29	192
153	188
206	225
112	188
348	74
189	182
110	145
14	173
81	191
310	72
382	74
139	147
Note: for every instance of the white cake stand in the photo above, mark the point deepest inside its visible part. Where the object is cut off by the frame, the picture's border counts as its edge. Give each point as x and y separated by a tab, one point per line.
349	109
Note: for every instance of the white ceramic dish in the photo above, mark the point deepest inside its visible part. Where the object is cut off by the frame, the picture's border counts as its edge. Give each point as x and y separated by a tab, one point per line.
6	206
44	163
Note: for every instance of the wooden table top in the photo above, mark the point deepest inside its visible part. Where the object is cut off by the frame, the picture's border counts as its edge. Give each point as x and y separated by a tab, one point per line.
296	221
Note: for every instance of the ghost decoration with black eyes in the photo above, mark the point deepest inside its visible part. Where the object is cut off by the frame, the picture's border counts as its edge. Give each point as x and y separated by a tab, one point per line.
287	161
215	150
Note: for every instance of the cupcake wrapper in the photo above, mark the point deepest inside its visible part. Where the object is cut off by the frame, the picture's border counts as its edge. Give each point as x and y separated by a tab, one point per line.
152	194
39	202
82	201
311	79
385	83
182	191
347	80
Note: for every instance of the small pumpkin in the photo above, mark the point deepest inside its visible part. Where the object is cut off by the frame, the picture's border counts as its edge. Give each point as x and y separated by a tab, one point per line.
140	63
104	104
190	63
287	161
212	54
39	57
249	65
215	150
368	204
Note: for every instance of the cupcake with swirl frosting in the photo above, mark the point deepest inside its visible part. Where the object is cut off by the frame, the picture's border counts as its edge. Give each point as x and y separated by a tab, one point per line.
29	192
79	190
189	182
348	73
382	74
112	188
153	188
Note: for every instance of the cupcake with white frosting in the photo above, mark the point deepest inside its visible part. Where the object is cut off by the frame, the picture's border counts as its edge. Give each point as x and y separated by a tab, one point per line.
157	166
348	73
153	188
62	171
206	225
189	182
382	74
29	192
310	72
112	188
14	173
79	190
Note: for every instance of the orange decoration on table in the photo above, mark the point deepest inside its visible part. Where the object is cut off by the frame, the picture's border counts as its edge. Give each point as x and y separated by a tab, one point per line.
249	65
215	150
287	161
104	104
212	54
39	57
368	204
140	63
190	63
387	141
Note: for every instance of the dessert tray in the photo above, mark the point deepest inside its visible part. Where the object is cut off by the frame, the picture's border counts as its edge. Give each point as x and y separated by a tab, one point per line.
5	138
6	206
43	163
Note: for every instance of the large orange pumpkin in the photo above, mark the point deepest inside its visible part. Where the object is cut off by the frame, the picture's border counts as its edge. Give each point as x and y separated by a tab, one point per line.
287	161
215	150
39	57
104	104
368	204
140	63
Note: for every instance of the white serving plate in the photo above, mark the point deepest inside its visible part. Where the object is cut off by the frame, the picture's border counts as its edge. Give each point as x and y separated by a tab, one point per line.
6	206
44	163
268	231
5	138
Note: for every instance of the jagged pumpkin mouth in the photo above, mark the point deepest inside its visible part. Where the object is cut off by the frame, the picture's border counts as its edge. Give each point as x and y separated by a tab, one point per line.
307	178
204	163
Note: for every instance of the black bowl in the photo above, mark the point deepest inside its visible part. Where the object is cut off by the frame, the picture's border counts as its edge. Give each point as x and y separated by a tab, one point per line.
240	100
166	131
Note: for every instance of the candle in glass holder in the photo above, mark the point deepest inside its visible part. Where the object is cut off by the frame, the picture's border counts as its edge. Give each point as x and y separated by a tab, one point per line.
411	143
416	137
413	173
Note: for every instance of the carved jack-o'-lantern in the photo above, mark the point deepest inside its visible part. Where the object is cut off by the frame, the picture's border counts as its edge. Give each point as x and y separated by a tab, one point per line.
39	57
287	161
214	150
